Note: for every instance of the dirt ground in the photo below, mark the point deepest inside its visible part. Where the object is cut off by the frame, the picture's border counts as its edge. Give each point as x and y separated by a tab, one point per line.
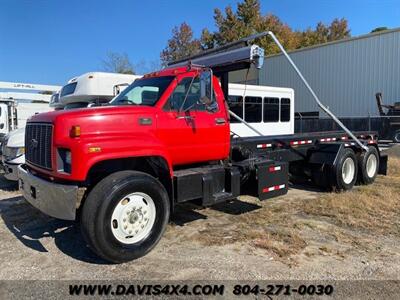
306	234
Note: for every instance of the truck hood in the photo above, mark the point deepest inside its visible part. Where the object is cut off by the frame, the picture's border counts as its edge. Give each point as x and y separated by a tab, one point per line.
16	138
98	122
52	116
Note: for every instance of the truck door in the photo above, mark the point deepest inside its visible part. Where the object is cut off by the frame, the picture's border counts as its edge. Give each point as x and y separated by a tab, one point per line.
3	119
191	132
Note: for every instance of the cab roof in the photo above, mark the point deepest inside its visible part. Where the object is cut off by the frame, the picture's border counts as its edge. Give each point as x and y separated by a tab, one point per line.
172	71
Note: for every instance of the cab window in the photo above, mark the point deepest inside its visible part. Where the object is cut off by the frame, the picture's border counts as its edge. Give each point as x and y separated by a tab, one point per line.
144	91
188	88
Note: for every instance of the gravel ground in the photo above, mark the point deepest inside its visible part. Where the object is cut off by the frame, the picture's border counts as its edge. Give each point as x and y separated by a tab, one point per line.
34	246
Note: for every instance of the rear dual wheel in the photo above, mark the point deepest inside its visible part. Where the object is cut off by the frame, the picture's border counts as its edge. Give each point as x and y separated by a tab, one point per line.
396	136
340	177
368	166
348	170
345	171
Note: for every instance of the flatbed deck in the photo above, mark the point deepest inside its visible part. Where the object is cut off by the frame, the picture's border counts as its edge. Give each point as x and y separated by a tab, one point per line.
314	136
299	147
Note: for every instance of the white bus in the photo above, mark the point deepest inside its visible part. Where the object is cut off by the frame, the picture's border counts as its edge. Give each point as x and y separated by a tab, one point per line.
269	110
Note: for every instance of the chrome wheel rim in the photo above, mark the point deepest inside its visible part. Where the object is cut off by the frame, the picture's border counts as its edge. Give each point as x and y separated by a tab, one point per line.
133	217
348	170
372	164
397	137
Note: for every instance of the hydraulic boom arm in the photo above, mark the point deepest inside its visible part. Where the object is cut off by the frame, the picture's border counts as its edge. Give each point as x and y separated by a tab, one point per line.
223	60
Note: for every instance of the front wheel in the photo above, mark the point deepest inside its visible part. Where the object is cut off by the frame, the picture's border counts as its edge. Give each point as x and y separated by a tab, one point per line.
125	215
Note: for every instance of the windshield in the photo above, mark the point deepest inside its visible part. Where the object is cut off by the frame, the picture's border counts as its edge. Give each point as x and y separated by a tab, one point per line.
76	105
145	91
68	89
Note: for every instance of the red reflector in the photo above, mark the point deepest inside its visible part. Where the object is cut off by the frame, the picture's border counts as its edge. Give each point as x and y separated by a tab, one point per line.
273	188
274	169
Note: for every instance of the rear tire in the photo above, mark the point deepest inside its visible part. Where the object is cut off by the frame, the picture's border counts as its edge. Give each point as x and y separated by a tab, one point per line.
125	215
345	171
368	166
396	136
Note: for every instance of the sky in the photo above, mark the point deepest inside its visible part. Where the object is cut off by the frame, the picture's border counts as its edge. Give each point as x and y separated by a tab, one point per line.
52	41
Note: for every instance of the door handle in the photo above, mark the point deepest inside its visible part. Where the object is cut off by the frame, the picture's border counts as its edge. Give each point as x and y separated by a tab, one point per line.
220	121
185	117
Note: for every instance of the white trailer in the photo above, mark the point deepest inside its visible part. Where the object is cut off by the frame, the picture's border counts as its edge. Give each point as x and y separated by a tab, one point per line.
95	86
19	101
87	90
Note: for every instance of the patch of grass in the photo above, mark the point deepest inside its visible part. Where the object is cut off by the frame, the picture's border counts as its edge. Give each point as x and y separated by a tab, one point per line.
285	227
271	228
394	166
373	207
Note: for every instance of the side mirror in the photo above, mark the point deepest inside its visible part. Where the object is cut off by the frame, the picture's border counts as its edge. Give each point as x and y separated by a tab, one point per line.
1	125
206	88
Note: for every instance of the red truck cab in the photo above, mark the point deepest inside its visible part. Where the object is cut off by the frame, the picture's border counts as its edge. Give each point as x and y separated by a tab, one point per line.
159	123
145	120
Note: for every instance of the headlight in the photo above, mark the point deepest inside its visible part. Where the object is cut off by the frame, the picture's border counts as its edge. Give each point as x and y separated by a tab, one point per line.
20	151
13	152
64	160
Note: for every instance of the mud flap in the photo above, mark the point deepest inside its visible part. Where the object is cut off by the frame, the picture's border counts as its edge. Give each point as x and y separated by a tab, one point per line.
325	153
272	179
383	161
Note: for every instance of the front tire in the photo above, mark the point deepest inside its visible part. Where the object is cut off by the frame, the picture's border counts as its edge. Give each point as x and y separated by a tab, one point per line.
125	215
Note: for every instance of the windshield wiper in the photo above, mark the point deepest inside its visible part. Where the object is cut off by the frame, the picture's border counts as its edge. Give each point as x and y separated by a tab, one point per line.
126	101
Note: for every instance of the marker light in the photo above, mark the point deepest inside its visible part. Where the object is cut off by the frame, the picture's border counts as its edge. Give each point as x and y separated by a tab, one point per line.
75	131
94	149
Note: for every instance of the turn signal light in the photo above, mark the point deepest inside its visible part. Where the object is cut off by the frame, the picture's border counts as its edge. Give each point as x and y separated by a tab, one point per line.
94	149
75	131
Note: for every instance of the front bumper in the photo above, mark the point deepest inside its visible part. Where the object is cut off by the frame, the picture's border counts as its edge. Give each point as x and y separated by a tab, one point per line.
10	171
53	199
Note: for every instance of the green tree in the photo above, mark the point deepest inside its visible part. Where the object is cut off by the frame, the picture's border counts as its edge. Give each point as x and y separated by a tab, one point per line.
118	63
377	29
180	45
311	37
46	92
338	30
246	20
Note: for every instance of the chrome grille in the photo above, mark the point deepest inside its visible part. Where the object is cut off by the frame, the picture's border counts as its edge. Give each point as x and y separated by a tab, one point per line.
38	140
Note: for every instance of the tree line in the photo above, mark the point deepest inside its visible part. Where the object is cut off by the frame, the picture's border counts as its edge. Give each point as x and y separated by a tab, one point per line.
246	20
231	25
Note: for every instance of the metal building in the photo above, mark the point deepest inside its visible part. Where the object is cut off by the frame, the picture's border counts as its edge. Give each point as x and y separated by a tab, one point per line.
345	74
